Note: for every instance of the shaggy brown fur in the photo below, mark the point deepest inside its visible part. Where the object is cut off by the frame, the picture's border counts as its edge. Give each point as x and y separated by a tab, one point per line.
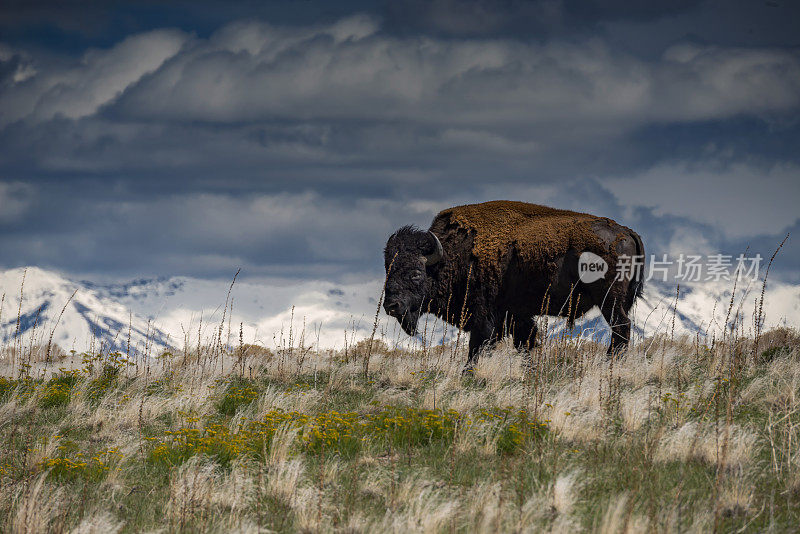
538	233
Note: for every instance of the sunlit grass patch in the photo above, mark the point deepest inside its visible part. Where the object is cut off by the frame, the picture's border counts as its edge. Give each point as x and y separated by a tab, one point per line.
115	360
57	391
239	393
216	440
332	431
301	387
54	395
329	431
23	387
6	387
96	388
70	463
517	428
340	432
409	426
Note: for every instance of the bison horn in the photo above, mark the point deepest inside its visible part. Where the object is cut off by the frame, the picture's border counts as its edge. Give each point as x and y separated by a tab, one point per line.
436	256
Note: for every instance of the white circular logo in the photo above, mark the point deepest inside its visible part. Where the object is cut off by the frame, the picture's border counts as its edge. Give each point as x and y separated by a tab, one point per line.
591	267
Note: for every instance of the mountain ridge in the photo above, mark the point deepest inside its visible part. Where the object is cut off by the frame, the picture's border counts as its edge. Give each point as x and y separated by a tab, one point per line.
40	304
164	312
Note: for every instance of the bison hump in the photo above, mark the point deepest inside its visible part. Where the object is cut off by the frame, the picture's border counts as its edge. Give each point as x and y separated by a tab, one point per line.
538	234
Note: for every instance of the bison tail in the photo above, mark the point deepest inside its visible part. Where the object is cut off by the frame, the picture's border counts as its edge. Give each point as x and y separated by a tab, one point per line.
637	283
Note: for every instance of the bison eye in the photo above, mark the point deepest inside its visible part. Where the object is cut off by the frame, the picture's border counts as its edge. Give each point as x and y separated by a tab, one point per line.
417	277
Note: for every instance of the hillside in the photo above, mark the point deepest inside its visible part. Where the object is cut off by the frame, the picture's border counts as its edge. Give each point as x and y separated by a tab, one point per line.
674	436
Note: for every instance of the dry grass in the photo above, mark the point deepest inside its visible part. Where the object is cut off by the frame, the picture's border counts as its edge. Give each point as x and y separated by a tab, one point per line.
35	505
671	436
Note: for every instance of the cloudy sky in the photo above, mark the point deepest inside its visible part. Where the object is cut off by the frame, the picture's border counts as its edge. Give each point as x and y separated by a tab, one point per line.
291	138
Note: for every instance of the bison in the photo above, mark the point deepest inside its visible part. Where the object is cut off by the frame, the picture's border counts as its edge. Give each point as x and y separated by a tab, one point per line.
502	263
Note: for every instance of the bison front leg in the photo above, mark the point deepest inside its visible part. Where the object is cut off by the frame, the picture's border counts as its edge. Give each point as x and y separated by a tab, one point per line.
481	334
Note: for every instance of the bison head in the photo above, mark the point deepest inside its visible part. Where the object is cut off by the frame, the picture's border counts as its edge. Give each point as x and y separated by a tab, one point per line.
407	256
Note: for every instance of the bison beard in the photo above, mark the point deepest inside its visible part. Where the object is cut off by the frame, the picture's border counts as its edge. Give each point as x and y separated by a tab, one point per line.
508	262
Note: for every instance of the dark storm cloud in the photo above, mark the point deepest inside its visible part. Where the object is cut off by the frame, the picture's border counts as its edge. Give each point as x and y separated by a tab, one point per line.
253	71
296	146
524	17
205	234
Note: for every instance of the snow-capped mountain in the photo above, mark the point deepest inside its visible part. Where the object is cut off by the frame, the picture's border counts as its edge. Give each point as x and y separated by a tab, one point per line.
705	308
266	310
177	311
39	303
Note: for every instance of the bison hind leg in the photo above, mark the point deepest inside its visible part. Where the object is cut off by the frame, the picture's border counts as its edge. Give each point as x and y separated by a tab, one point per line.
524	334
617	318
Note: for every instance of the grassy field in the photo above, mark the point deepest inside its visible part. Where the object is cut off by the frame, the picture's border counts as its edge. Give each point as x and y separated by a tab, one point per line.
672	436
